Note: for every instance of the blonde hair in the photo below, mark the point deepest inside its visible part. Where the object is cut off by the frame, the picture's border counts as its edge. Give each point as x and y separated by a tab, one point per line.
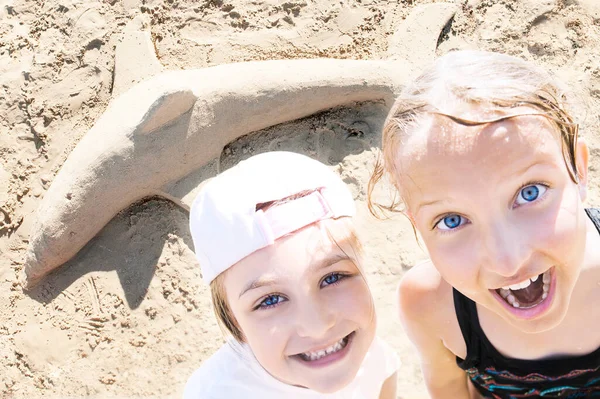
494	82
345	234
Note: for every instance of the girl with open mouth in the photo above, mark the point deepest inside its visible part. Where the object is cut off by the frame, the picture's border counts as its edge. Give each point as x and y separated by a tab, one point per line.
275	241
486	158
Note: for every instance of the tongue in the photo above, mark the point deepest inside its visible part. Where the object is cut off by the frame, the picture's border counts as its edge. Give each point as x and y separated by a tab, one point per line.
530	295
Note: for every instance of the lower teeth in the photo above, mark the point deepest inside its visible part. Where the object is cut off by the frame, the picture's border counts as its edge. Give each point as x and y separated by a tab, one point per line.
310	358
512	300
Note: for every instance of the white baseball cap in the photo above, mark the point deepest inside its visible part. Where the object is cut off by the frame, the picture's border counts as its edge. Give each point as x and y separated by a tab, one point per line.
224	222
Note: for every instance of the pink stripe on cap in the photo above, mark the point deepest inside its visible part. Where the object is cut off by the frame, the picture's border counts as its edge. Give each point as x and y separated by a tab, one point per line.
293	215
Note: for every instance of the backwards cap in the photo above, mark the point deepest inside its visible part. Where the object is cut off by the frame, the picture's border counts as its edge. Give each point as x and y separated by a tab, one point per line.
224	222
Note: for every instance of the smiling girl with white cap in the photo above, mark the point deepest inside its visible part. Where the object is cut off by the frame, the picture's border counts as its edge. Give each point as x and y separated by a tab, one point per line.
275	241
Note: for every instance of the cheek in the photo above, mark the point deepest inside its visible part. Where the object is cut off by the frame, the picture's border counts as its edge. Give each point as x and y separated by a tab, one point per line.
563	232
264	332
353	301
554	227
455	258
268	340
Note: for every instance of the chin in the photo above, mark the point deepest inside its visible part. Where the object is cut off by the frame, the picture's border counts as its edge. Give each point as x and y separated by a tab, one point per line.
546	322
329	385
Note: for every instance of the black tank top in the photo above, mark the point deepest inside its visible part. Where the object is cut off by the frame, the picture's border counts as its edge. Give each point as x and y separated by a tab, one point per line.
496	376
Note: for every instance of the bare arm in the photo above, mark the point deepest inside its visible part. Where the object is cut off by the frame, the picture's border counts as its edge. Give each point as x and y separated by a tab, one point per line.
444	379
419	300
388	390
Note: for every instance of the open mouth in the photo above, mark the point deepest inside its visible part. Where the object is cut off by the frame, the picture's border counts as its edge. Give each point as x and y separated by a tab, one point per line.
529	293
328	354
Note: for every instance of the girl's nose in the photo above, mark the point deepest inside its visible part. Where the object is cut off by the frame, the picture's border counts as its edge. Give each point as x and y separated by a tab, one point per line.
505	250
314	318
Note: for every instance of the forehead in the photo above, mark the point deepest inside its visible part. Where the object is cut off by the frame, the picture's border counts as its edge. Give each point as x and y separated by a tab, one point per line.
293	256
447	152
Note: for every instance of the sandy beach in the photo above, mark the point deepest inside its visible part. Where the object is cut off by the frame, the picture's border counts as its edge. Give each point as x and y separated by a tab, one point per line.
128	316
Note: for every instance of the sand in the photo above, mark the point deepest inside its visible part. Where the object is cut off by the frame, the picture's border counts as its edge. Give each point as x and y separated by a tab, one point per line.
129	315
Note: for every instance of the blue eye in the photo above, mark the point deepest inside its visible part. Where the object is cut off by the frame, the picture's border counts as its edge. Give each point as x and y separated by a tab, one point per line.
530	193
331	279
451	222
270	301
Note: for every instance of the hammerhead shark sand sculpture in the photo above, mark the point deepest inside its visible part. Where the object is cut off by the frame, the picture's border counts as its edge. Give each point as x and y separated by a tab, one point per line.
164	136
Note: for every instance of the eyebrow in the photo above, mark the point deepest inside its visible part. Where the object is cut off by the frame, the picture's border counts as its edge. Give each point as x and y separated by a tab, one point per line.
517	173
522	171
265	281
429	203
330	260
262	281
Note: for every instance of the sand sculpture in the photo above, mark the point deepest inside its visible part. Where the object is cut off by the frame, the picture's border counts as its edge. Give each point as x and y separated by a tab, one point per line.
164	136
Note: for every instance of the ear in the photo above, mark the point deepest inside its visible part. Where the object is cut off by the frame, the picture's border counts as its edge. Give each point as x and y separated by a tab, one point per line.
582	154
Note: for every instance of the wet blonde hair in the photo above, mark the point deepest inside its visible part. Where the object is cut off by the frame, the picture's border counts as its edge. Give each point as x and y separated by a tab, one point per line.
345	234
499	85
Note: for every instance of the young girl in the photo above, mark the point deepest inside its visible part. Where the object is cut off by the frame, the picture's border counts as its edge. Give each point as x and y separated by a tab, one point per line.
275	241
487	162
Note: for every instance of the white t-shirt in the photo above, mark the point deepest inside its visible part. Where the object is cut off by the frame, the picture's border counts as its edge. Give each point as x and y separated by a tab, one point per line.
233	372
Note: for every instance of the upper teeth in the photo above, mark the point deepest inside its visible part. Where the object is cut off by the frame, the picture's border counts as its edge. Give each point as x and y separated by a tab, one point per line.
324	352
521	285
505	292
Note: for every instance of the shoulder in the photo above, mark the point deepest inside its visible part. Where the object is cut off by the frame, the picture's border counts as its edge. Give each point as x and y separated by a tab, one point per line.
212	379
384	357
424	297
380	364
